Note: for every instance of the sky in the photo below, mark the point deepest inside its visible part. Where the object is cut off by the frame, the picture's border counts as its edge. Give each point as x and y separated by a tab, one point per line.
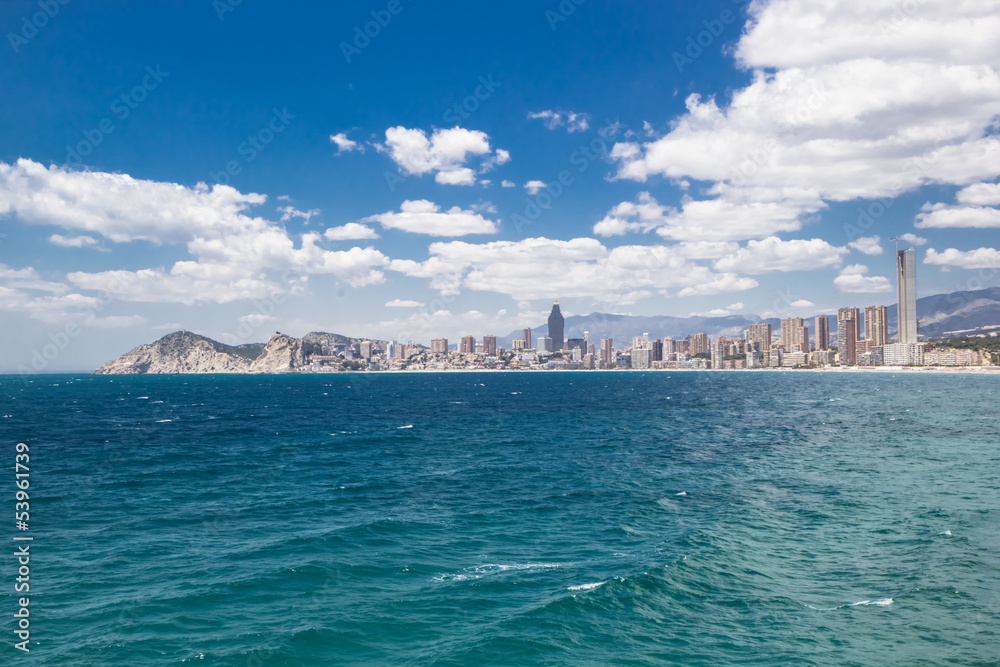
406	170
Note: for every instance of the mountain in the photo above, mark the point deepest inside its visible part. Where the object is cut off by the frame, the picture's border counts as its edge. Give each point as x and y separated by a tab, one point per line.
940	316
186	352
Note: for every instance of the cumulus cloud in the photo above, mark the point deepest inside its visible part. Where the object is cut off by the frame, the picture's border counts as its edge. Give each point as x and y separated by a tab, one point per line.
773	254
234	255
508	184
714	219
913	239
541	268
846	101
572	121
345	145
869	245
352	231
853	279
534	187
403	303
425	217
942	216
981	194
445	153
980	258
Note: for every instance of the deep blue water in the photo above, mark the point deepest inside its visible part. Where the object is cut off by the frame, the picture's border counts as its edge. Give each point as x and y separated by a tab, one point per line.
487	519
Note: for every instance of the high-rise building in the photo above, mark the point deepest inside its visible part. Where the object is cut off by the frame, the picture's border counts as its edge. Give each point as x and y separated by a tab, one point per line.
847	336
544	344
822	332
556	327
657	350
526	335
847	318
607	353
794	335
468	345
719	352
906	295
365	349
576	344
439	346
490	345
877	325
518	345
642	357
700	344
759	340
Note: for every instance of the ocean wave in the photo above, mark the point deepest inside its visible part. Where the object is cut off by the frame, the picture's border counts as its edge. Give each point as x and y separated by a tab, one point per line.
586	587
490	569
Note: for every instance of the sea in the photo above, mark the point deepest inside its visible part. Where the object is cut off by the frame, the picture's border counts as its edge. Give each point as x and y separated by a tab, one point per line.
534	518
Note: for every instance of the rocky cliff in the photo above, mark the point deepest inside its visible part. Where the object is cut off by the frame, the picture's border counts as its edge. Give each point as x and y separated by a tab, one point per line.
184	352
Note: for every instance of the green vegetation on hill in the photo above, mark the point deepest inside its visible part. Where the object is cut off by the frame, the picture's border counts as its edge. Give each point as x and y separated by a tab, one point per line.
988	344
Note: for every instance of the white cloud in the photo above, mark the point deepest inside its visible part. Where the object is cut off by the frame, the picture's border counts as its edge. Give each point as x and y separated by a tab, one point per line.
853	279
982	194
345	145
712	219
541	268
444	153
731	309
773	254
534	187
869	245
574	122
846	101
980	258
508	184
913	239
403	303
352	231
802	303
235	256
942	216
289	212
28	278
76	242
424	217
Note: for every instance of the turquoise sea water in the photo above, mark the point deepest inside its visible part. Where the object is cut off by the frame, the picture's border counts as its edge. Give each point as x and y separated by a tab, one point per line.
488	519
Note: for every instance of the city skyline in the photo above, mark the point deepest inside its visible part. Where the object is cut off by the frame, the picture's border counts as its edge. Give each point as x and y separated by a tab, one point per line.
399	193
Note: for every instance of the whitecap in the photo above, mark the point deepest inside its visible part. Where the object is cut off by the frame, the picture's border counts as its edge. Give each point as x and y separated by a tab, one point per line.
398	428
163	421
586	587
140	398
682	493
946	533
884	602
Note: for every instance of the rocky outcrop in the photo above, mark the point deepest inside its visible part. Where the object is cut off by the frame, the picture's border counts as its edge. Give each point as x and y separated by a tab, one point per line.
186	352
281	355
183	352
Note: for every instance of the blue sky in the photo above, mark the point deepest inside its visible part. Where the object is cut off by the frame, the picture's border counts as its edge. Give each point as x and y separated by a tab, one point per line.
240	168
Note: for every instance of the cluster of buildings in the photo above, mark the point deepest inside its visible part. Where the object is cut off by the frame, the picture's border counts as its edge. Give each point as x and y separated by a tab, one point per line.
862	340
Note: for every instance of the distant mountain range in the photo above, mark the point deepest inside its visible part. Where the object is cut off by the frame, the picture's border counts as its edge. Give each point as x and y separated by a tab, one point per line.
940	316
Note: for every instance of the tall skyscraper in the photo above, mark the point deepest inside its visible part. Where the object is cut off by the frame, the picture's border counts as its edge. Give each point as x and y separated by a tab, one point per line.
877	325
490	345
526	334
439	346
759	340
822	332
657	350
607	352
468	345
848	335
556	324
906	295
